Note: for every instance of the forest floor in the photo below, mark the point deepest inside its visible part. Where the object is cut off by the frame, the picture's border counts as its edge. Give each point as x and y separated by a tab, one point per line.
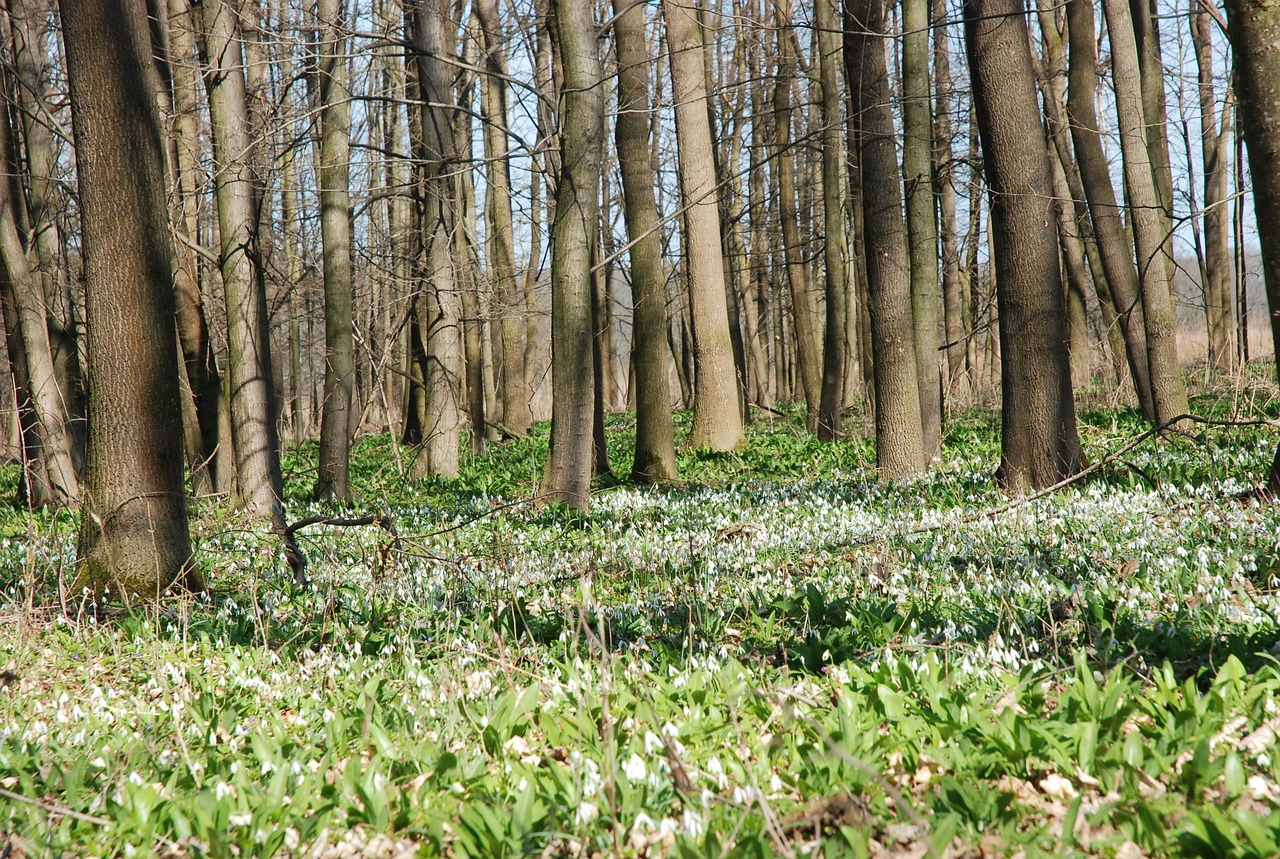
776	657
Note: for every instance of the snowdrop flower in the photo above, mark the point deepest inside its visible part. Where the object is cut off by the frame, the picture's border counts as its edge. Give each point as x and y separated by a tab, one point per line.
587	812
241	818
634	768
692	823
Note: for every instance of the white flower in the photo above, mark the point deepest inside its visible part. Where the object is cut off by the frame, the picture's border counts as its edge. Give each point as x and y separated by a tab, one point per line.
241	818
634	768
586	813
692	823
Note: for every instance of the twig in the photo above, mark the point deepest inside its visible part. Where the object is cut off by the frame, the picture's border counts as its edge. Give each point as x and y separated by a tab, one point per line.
297	559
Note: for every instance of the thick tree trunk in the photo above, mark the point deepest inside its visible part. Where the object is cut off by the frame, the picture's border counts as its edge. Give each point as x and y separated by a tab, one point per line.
922	230
655	458
1038	437
1147	217
717	420
899	441
827	19
1095	175
334	174
1254	27
257	450
567	478
134	538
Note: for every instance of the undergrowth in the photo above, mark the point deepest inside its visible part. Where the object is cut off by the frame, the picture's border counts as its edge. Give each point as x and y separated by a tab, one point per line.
776	656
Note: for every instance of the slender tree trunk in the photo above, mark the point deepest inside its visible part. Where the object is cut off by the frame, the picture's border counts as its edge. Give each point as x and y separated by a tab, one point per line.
655	458
134	538
1038	439
944	184
436	304
1254	28
827	19
717	421
567	478
1214	142
516	396
808	347
922	231
257	449
53	481
334	480
1152	241
34	69
1095	176
899	441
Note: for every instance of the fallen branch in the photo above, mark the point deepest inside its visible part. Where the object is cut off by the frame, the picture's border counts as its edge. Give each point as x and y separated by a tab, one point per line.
297	559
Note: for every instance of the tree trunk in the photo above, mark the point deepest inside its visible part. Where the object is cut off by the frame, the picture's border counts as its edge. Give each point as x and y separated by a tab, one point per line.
717	420
516	395
899	441
833	213
1151	239
1254	28
334	174
1217	217
436	304
808	354
1095	176
49	466
1038	437
257	450
567	478
34	68
922	231
945	188
134	538
655	458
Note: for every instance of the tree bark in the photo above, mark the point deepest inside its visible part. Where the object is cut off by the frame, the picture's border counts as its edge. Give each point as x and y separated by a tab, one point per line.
833	217
334	174
49	469
1214	142
517	417
1147	216
1039	442
655	457
944	184
252	398
134	537
1095	175
1254	28
567	478
717	420
899	441
808	347
436	303
922	231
